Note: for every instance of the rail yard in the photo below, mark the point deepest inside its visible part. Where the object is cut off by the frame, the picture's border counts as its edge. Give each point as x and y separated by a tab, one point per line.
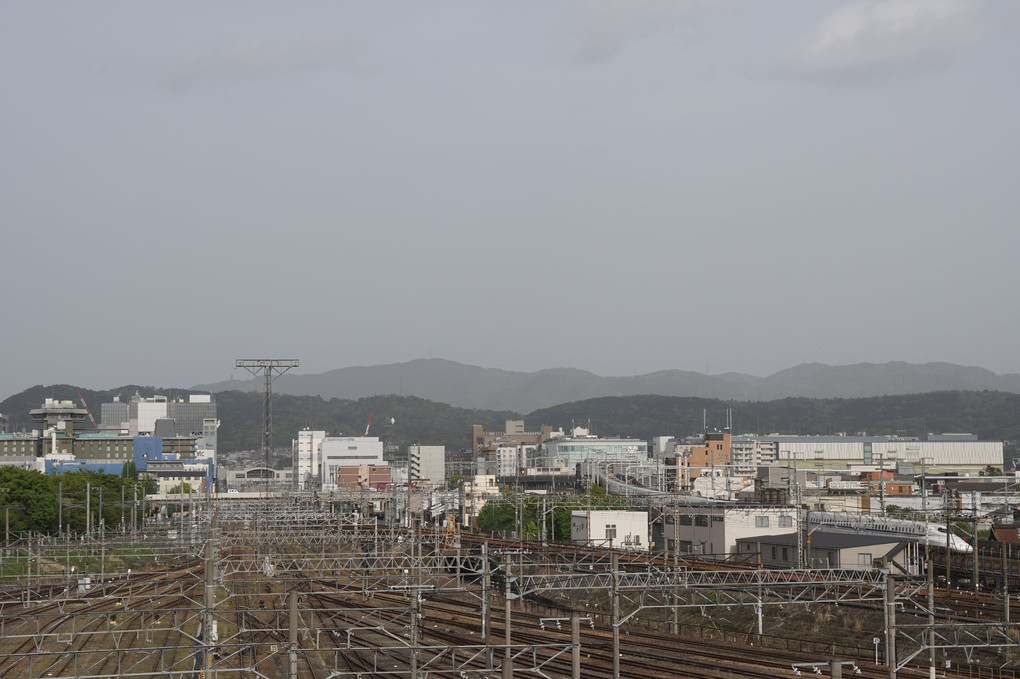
277	587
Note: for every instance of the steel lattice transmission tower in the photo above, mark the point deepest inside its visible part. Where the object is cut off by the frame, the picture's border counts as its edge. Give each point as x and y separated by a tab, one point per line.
269	369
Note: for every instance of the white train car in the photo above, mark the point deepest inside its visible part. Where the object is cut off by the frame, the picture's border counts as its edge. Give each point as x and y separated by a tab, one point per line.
915	531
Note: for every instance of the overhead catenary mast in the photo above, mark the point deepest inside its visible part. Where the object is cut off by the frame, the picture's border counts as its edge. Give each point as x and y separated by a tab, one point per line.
269	369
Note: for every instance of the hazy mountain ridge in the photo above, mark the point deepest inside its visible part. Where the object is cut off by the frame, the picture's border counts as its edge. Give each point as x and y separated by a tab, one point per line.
469	386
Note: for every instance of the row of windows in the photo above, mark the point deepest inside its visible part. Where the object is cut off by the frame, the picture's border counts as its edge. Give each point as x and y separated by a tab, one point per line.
763	522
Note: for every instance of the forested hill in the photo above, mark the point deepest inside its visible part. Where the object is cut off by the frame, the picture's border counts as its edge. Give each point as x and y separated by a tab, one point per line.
990	415
405	420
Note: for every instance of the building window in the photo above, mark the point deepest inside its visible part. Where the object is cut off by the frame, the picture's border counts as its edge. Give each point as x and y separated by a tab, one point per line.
610	531
701	520
761	522
684	520
864	559
786	554
785	521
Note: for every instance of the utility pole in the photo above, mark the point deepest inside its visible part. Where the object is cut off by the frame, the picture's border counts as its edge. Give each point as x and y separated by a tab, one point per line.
802	527
1005	583
949	534
485	599
292	636
575	645
210	598
931	616
507	581
890	625
615	612
974	515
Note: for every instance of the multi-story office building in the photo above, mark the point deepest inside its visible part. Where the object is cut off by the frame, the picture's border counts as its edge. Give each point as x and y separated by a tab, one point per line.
307	454
193	417
427	465
347	451
715	529
485	444
63	443
475	491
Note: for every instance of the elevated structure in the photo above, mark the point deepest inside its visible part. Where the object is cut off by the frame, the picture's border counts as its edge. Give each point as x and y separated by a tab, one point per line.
268	369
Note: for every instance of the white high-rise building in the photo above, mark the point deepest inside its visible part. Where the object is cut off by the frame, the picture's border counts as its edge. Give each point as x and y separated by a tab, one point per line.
307	455
508	461
147	411
427	465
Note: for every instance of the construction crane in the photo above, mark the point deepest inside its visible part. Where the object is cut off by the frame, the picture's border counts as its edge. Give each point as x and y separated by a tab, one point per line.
92	419
369	424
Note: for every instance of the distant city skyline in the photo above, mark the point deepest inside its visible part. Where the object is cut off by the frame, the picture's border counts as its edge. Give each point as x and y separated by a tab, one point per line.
617	187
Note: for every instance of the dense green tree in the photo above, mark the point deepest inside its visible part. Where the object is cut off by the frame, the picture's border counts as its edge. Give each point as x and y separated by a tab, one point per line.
497	516
524	514
105	496
26	497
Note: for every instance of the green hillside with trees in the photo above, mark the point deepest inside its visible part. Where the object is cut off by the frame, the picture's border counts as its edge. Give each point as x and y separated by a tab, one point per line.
403	420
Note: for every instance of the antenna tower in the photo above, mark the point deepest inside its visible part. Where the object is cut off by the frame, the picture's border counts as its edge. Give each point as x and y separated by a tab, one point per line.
268	369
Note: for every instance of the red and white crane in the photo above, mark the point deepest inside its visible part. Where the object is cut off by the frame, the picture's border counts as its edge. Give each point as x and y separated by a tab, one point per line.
82	398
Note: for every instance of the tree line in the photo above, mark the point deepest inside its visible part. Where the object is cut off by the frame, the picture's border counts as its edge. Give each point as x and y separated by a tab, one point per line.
537	517
75	501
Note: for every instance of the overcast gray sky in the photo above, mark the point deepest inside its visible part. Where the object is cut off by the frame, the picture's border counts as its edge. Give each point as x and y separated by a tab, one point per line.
619	186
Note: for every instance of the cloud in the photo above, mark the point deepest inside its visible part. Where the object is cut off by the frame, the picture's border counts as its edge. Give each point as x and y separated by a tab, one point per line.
258	60
603	29
877	39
